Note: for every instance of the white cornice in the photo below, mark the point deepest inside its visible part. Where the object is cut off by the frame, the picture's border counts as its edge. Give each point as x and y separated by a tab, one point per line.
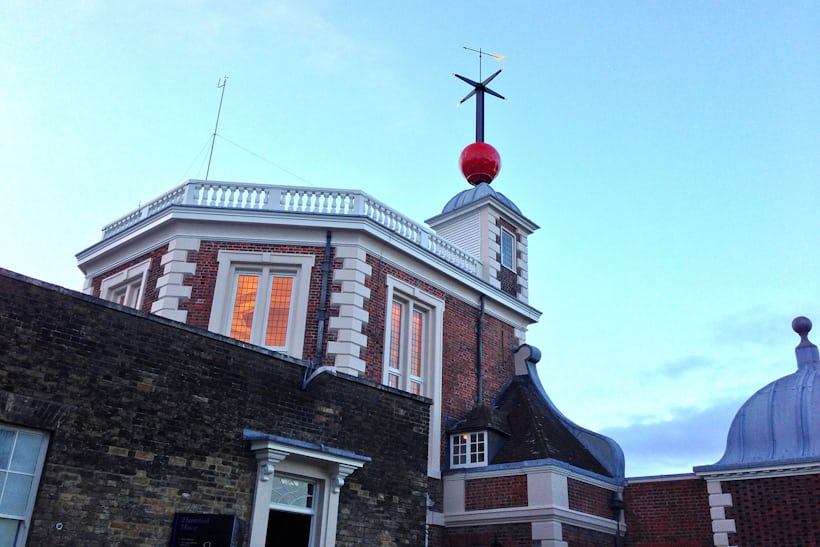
473	473
542	513
759	472
249	225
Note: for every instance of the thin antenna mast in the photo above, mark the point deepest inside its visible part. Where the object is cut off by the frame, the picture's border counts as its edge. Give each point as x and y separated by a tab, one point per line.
222	82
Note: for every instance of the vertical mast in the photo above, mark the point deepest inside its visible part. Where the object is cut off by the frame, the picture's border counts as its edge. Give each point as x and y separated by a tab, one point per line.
221	84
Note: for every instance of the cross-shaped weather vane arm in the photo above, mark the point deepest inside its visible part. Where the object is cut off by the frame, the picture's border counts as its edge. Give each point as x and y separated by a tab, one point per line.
478	90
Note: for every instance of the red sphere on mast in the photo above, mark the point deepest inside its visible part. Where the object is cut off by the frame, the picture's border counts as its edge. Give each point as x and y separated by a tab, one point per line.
479	162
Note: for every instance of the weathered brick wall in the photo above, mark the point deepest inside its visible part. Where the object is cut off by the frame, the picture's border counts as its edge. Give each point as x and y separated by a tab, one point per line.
589	498
506	535
782	511
673	513
155	272
495	492
145	418
581	537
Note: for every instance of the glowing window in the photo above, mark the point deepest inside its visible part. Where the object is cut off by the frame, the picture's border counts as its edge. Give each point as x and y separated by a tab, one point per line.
406	346
262	298
261	316
468	449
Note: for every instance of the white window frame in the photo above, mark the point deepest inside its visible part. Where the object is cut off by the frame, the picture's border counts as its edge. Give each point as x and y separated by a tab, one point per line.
405	379
510	238
297	266
35	481
432	357
469	440
327	468
132	280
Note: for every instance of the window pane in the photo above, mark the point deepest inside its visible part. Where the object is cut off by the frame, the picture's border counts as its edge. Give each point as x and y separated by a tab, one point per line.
395	334
292	492
243	307
15	495
26	452
415	340
276	333
393	380
507	249
6	444
8	531
459	445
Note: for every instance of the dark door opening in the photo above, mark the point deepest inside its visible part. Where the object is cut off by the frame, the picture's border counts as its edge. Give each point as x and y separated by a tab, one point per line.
288	529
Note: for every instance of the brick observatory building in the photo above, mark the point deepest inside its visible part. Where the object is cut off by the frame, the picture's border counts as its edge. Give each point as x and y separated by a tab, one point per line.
311	359
348	285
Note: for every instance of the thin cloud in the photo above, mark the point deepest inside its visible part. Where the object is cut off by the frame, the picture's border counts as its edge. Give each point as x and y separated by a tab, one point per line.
691	437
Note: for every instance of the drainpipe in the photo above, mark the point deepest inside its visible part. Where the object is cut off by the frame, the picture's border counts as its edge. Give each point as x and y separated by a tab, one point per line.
616	503
321	314
479	353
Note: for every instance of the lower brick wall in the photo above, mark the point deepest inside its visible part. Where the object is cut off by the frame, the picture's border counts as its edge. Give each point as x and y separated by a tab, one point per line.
781	511
580	537
145	418
503	535
673	513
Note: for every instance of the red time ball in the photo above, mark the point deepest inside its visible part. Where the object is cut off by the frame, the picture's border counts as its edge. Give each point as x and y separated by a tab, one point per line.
479	163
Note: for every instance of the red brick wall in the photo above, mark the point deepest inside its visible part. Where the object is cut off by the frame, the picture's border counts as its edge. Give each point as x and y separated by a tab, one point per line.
154	273
581	537
782	511
459	382
673	513
506	535
587	498
495	493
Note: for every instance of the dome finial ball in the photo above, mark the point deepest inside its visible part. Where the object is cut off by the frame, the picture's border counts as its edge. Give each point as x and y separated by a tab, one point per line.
801	325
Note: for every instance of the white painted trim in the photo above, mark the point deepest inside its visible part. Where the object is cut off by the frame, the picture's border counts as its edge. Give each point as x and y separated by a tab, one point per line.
35	480
461	475
718	501
299	265
298	229
329	470
509	515
131	275
761	472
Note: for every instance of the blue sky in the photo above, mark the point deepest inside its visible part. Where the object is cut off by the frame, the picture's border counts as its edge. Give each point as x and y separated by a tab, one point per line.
667	150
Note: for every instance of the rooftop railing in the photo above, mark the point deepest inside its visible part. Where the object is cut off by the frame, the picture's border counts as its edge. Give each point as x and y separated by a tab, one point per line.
290	199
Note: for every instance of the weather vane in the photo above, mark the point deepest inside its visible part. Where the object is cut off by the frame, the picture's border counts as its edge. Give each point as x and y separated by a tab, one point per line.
479	89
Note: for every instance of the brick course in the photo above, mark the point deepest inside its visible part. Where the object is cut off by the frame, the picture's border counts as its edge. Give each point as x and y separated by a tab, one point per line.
588	498
495	492
782	511
672	513
581	537
507	535
145	418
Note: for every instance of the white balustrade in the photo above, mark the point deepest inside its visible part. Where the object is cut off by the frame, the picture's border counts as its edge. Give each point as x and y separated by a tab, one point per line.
223	195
